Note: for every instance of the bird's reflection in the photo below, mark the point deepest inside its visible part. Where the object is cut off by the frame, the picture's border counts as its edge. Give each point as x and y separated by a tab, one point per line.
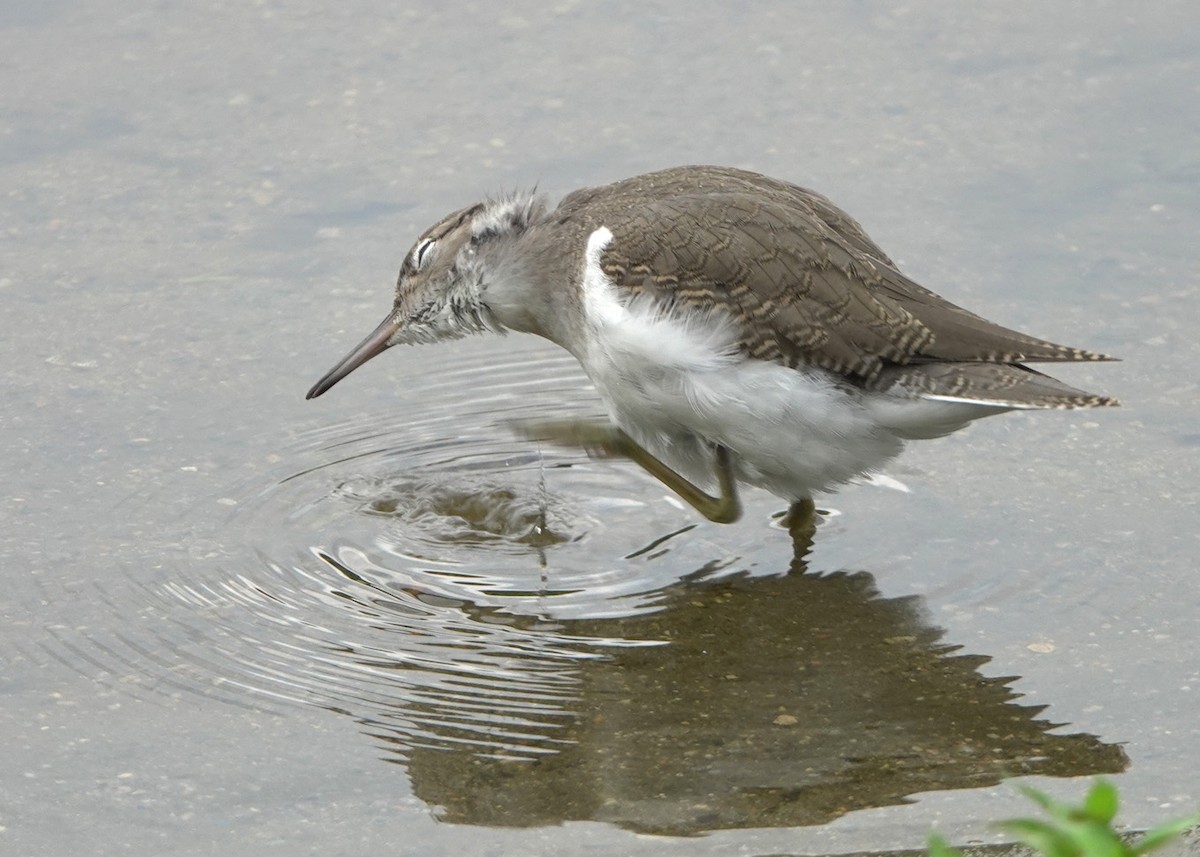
768	701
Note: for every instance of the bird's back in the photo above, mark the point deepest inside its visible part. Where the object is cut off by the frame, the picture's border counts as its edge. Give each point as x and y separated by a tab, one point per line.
805	286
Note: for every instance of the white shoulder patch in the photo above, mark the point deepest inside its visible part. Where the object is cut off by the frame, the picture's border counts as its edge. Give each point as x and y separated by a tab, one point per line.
635	334
600	302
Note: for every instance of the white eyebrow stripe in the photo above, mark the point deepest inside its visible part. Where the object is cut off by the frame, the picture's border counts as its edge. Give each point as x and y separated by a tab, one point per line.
417	252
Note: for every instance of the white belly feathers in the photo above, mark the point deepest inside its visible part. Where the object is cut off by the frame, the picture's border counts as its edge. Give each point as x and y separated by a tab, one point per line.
677	384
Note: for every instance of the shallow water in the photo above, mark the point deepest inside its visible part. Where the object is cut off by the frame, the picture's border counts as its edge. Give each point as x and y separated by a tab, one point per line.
226	608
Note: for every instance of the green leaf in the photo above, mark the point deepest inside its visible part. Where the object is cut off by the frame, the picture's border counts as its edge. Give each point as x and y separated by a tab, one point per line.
938	847
1040	836
1101	802
1085	830
1095	839
1056	809
1156	837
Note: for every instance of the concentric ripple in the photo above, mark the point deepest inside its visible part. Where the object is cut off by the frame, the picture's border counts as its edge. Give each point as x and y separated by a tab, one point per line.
425	569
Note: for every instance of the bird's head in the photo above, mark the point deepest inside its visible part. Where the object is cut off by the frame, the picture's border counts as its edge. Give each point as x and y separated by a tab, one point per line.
442	289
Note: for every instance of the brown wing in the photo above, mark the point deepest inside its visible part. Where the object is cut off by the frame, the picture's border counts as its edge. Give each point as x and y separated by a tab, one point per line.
801	279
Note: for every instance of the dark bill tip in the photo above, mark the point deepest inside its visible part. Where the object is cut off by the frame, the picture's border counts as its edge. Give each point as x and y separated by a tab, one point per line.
376	343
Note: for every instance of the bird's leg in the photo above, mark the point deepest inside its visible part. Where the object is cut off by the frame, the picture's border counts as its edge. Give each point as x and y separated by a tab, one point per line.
801	521
722	509
608	440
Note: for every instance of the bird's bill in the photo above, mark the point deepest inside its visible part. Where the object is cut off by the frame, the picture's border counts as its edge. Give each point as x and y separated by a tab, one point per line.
376	343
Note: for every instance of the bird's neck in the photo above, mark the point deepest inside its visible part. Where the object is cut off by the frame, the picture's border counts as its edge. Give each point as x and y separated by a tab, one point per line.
526	286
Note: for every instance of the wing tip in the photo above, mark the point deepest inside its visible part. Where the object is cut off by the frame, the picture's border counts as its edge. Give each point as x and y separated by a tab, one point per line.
1048	403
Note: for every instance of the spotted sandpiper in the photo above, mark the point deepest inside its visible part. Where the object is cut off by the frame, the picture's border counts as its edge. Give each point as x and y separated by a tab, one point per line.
739	329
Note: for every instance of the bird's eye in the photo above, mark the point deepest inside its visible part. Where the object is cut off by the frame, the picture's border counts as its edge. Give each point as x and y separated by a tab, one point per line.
421	254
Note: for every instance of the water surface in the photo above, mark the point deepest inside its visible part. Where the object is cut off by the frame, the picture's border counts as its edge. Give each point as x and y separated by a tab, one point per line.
235	620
